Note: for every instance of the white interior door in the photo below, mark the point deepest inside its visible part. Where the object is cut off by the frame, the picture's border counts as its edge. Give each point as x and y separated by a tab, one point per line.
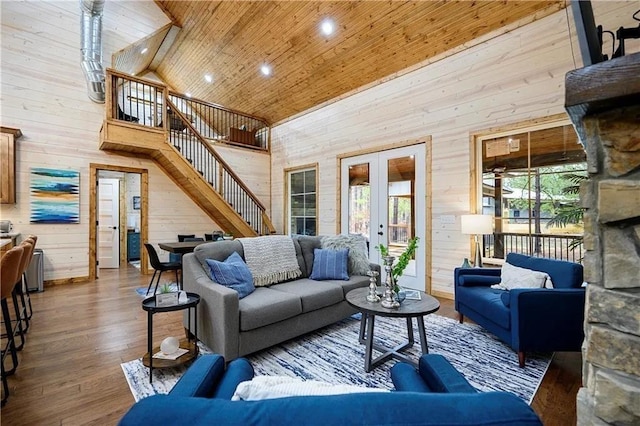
383	198
108	223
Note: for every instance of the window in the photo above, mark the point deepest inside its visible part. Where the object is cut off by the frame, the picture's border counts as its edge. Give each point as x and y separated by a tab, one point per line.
302	201
529	182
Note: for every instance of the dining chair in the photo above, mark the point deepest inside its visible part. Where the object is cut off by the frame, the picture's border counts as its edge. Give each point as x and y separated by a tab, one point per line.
160	267
9	273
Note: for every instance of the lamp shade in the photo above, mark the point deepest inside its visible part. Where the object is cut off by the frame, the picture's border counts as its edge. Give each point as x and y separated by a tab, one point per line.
476	224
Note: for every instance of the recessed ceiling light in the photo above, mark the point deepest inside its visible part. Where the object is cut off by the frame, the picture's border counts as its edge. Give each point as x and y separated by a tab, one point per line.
208	78
327	27
143	51
188	95
265	69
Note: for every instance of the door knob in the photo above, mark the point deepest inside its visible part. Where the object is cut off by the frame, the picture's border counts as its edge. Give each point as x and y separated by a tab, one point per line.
380	233
115	227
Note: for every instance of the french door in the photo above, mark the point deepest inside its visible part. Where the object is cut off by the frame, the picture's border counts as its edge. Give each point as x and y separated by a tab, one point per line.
383	198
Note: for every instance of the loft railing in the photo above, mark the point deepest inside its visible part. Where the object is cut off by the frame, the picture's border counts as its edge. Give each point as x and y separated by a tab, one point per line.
554	246
149	104
216	122
144	102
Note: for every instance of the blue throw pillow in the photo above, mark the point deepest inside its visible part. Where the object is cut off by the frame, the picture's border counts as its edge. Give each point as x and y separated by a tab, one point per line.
330	264
232	273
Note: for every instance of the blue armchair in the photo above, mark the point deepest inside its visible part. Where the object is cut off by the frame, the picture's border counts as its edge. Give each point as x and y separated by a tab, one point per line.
526	319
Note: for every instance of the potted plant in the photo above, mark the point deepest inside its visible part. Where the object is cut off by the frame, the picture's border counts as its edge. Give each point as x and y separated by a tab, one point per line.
403	260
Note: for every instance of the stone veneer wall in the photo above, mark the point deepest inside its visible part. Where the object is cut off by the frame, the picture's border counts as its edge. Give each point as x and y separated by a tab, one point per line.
611	351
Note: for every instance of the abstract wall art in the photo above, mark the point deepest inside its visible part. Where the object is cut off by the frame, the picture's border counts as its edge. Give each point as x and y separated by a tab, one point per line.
55	196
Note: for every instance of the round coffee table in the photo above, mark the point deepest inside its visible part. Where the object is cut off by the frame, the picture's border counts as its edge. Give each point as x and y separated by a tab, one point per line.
408	309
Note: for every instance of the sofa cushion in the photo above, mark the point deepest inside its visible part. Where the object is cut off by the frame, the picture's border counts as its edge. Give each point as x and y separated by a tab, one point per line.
486	301
564	274
506	298
266	306
313	294
232	273
307	245
357	245
515	277
354	281
217	250
330	264
300	258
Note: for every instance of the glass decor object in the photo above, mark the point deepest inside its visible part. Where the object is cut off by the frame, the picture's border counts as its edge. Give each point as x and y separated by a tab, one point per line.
465	263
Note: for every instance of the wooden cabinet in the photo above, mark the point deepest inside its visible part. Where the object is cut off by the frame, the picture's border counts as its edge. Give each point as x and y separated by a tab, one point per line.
8	137
133	246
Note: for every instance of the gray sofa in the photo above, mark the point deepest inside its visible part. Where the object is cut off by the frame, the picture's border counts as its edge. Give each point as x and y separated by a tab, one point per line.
270	315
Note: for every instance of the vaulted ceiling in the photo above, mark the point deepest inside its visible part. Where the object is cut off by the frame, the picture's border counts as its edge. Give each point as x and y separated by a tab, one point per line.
231	40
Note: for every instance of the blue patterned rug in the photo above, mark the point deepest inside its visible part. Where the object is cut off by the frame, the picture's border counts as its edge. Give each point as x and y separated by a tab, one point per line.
332	354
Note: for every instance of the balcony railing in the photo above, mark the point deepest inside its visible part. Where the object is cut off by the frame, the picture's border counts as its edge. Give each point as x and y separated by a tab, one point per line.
144	102
553	246
223	124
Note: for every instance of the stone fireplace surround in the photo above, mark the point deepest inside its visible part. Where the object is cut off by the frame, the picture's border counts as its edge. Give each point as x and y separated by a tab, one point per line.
603	101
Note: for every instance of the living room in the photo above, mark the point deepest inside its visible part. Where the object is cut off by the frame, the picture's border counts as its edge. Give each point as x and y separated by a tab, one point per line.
510	78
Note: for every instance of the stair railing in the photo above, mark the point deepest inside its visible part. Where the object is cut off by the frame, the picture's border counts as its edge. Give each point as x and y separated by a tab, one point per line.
196	150
147	103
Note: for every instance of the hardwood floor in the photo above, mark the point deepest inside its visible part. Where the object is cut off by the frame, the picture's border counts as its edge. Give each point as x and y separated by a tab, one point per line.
69	371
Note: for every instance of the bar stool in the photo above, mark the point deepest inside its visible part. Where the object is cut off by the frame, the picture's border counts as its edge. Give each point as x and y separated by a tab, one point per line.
9	273
21	287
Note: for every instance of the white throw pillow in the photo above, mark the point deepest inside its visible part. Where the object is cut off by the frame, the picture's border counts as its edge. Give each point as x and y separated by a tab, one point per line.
515	277
268	387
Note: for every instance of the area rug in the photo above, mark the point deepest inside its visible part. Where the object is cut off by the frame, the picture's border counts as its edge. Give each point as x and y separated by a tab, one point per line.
333	354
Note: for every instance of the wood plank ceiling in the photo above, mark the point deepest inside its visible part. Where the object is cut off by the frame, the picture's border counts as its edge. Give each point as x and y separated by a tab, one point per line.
230	40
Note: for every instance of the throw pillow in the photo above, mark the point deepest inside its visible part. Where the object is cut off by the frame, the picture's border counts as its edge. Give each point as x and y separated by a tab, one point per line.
330	264
232	273
357	245
268	387
515	277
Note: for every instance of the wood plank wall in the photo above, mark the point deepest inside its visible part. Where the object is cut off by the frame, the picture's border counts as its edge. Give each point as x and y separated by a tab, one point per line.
44	94
508	78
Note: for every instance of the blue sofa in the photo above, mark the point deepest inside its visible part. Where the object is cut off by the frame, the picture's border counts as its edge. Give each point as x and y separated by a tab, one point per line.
528	320
202	396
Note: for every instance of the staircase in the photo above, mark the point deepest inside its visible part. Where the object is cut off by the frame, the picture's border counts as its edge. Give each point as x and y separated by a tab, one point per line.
144	119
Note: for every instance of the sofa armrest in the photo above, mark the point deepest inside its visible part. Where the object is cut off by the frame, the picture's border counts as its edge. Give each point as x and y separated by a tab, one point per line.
469	277
238	371
547	319
201	378
218	311
441	376
435	374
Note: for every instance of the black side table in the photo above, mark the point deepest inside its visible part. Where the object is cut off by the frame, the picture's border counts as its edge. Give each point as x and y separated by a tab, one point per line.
149	305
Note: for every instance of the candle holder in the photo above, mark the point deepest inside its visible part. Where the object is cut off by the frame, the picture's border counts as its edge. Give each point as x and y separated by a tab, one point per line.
373	281
389	300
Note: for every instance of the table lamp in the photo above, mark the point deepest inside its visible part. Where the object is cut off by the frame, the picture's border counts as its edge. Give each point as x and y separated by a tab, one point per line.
476	224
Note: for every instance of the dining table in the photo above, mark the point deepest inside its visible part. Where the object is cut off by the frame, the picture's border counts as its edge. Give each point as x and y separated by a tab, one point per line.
181	247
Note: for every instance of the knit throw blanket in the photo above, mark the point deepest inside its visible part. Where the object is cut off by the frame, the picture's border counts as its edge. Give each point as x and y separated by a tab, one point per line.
271	259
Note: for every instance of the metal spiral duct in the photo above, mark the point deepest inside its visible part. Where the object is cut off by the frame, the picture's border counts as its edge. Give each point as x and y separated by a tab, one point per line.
91	48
